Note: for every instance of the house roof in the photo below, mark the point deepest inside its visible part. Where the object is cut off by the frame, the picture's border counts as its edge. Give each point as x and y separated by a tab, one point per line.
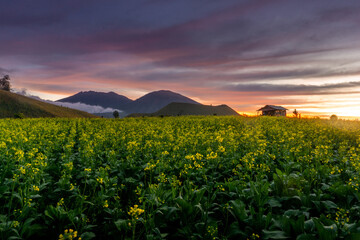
271	107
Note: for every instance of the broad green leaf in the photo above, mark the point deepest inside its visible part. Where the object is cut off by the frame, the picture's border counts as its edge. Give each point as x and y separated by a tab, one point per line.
274	235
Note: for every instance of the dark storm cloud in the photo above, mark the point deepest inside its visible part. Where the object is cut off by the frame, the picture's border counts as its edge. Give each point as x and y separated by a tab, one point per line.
228	35
225	37
29	20
340	14
218	78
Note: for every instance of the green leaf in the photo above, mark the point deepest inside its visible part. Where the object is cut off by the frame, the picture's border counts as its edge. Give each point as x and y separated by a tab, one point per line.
88	235
235	230
35	196
298	225
28	229
325	232
16	195
274	235
305	237
309	225
238	210
329	204
278	172
185	206
274	203
121	224
14	238
292	213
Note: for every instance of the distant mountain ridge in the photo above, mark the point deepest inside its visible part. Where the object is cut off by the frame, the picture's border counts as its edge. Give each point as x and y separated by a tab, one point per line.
184	109
148	103
106	100
154	101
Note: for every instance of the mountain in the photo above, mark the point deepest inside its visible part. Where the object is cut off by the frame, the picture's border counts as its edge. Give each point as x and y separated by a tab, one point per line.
12	104
106	100
181	109
154	101
148	103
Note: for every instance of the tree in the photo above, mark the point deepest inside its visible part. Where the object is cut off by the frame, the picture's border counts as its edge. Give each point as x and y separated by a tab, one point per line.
19	115
5	83
296	113
333	117
116	114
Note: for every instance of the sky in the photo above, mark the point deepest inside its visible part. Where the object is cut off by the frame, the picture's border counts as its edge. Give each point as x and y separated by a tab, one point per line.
300	54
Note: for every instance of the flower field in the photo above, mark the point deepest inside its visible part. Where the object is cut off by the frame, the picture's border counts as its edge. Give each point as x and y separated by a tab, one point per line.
179	178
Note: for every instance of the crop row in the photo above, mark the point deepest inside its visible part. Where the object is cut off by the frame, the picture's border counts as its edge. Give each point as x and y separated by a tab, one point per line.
179	178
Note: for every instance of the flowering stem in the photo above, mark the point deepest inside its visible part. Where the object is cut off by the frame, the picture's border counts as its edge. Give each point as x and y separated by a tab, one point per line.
133	231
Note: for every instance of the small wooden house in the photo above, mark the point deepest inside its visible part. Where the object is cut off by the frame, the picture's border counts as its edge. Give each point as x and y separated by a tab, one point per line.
271	110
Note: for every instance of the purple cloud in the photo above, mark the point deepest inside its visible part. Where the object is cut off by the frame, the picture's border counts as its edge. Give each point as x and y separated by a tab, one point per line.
194	46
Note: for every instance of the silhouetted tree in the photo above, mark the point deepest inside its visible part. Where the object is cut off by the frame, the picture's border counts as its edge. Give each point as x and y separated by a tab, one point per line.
296	113
333	117
5	83
116	114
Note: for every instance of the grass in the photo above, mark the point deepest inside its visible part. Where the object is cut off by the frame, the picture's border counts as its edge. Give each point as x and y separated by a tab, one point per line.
12	104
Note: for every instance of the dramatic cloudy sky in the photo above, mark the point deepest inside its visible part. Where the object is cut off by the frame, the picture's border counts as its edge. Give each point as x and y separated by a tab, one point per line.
301	54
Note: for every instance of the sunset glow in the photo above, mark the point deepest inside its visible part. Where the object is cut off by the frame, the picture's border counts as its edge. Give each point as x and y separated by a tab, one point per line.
302	55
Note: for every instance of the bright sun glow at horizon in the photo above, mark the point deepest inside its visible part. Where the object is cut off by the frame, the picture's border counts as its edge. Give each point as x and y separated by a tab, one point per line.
350	110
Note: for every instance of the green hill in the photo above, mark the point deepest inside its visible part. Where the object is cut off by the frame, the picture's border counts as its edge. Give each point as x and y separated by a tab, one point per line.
182	109
12	104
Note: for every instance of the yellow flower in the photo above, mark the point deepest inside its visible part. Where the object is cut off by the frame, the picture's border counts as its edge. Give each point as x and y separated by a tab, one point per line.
211	155
221	149
60	203
15	224
69	234
135	212
22	170
221	188
100	180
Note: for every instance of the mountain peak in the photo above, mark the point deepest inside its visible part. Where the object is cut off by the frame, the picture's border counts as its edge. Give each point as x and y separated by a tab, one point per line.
103	99
156	100
164	93
148	103
94	92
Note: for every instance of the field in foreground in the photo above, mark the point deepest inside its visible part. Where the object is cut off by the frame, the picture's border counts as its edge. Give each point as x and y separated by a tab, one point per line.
179	178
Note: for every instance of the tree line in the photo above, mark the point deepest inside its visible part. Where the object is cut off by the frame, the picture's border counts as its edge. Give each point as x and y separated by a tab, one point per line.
5	83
